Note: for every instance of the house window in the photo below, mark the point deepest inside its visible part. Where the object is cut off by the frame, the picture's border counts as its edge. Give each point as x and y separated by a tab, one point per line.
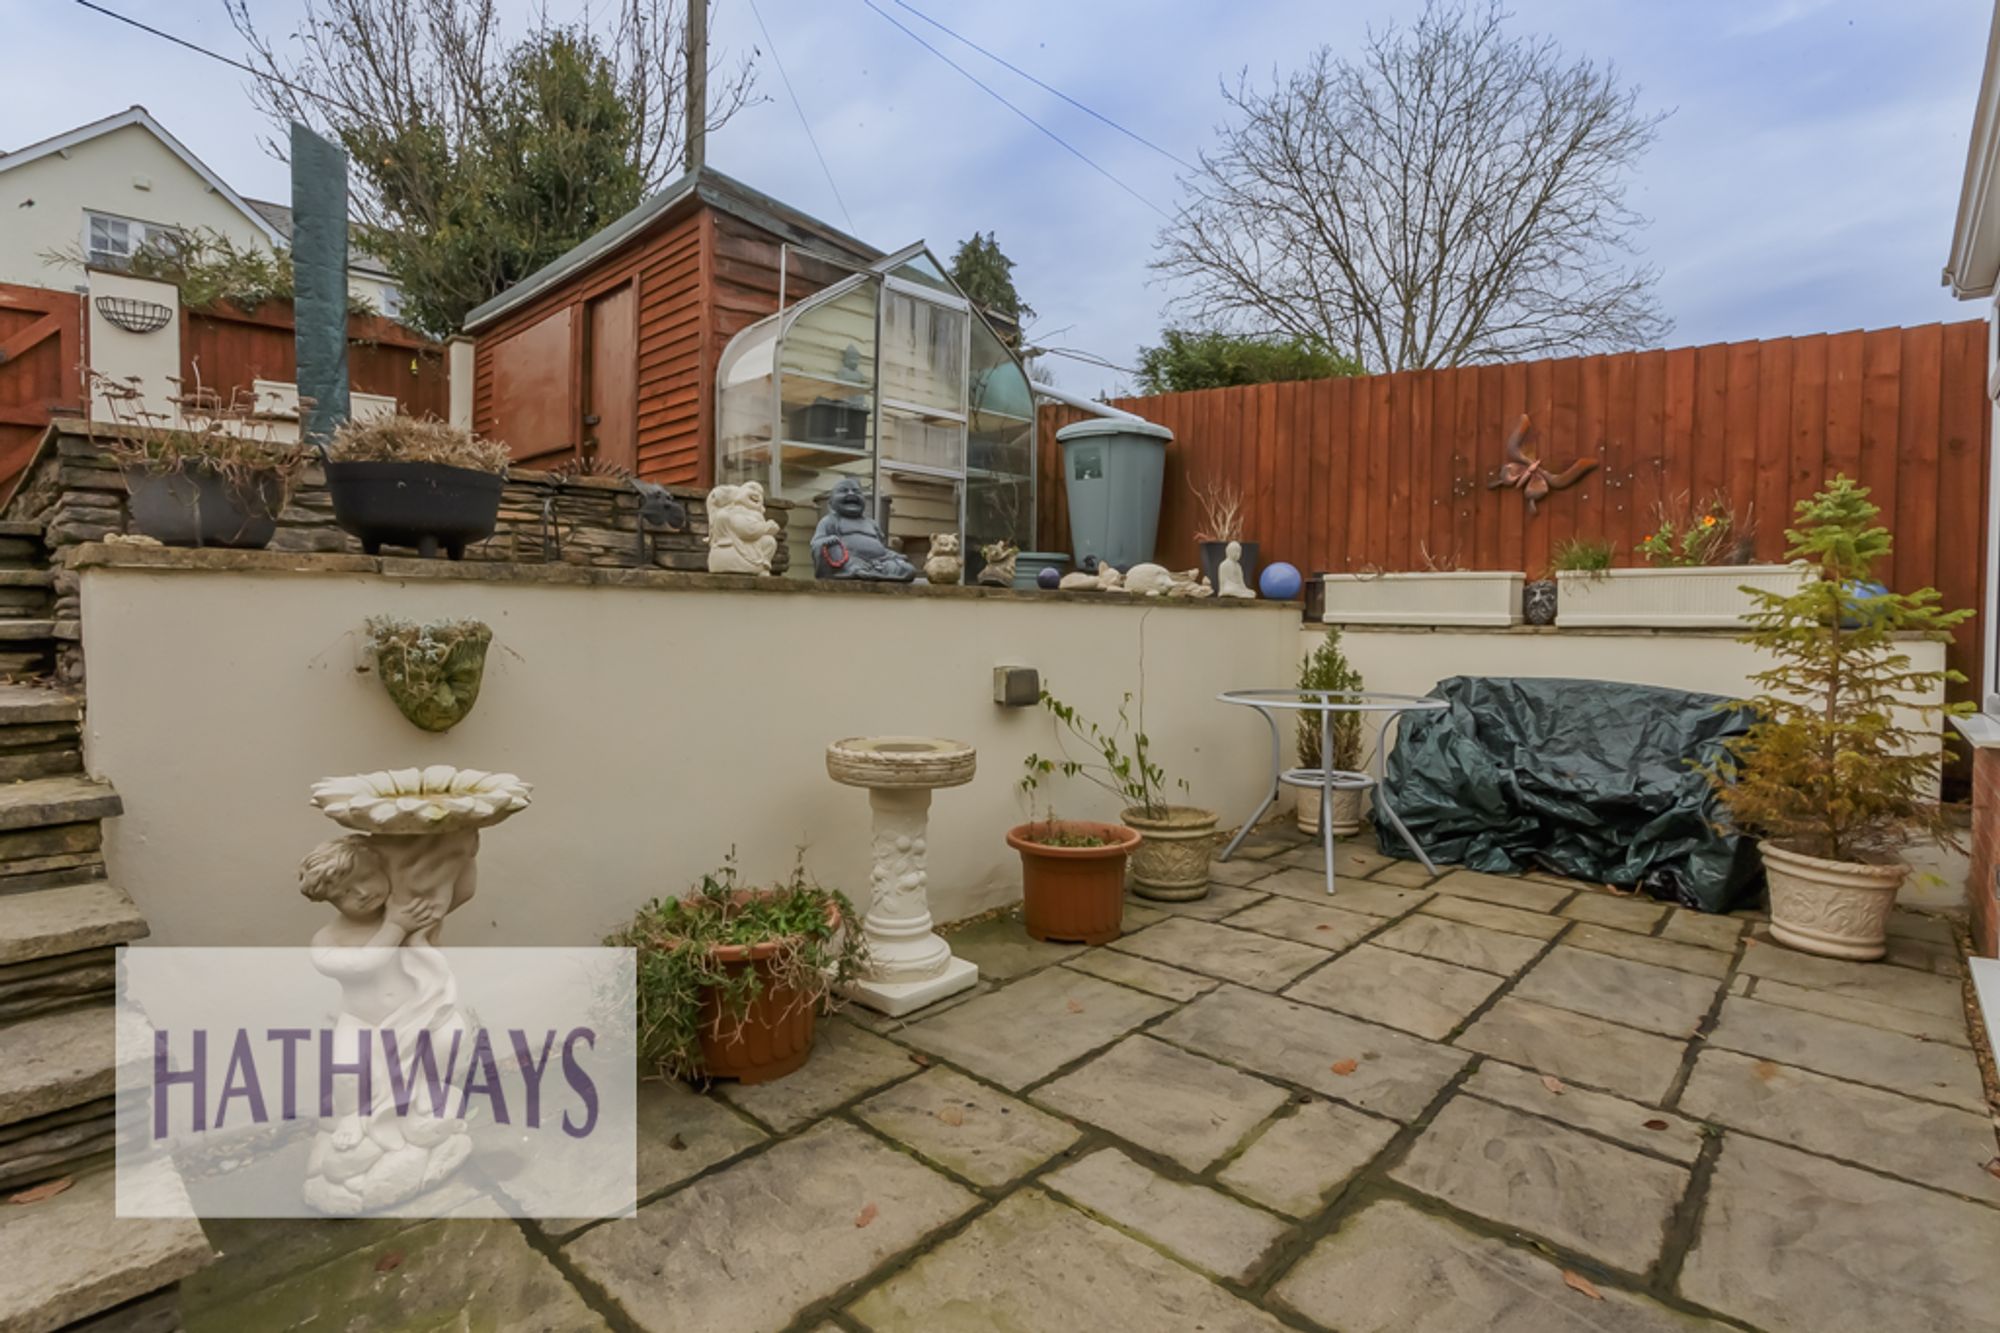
111	242
392	301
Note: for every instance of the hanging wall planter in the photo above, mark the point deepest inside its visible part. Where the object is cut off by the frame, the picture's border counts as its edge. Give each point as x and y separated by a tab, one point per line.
432	670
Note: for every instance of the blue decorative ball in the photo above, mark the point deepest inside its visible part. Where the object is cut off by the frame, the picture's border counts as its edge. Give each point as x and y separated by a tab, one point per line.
1048	576
1280	582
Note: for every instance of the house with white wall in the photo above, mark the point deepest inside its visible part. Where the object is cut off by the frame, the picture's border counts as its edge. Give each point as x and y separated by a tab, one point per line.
103	190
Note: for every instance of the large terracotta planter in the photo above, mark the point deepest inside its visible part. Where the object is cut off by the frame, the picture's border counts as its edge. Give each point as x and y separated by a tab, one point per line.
1170	863
773	1036
1346	811
1837	909
1073	894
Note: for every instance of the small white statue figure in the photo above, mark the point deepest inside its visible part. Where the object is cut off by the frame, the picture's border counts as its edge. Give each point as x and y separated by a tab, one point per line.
943	564
1190	584
740	539
1148	580
998	571
1229	574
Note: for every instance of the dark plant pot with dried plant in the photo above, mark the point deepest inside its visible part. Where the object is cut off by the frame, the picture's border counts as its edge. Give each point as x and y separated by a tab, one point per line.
202	504
1073	878
1219	509
731	981
400	481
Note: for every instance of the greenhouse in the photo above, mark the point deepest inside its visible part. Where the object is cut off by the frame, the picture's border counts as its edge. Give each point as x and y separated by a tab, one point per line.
892	377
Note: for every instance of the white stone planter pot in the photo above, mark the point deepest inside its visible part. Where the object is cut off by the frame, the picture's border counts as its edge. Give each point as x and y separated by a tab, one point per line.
1171	861
1838	909
1346	811
1698	597
1455	598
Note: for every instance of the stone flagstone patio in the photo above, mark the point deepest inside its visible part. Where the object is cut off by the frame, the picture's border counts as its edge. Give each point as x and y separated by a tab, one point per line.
1521	1105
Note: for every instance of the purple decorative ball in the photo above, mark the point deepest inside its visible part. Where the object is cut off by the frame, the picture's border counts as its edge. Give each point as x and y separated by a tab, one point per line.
1280	582
1048	576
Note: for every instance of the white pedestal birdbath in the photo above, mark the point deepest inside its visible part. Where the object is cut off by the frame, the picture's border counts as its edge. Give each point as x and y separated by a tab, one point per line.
912	966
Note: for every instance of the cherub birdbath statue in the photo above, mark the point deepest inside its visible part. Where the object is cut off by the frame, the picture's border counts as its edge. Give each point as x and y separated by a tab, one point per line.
911	966
407	865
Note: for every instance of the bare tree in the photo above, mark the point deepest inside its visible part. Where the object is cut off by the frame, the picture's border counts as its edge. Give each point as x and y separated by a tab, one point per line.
1457	195
480	153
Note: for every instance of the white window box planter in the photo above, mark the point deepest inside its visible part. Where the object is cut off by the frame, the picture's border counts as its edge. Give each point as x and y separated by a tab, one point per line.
1695	597
1454	598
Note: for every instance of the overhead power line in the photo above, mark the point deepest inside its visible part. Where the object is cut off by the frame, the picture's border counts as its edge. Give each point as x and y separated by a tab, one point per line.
1009	65
793	94
255	73
986	88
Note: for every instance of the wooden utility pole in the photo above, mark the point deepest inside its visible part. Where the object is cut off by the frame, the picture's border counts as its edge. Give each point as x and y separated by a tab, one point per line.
697	85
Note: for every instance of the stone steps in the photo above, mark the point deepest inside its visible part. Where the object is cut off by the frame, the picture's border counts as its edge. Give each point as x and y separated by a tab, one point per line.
42	803
66	919
57	1061
71	1257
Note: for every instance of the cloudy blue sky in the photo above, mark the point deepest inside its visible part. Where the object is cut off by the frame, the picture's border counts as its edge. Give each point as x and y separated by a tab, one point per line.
1804	182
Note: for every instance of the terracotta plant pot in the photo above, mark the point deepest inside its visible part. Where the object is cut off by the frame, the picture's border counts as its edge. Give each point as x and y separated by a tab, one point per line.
1170	863
1074	894
774	1035
1346	811
1837	909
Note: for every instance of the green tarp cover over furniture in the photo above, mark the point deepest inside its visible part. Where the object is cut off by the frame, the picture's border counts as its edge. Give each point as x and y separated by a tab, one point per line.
1582	778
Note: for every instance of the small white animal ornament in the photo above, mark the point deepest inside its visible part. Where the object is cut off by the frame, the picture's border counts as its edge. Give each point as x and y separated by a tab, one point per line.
943	564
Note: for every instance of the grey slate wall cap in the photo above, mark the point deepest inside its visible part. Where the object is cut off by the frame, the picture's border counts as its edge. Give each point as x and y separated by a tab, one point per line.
1080	430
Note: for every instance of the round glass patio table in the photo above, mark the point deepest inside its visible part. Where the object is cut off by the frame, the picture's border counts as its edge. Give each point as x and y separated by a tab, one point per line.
1326	704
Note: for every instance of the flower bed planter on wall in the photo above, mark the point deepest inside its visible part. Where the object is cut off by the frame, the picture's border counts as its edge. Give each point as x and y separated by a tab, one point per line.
1705	596
1451	598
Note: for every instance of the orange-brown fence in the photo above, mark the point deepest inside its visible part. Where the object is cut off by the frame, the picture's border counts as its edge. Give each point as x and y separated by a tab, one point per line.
1390	471
224	348
41	357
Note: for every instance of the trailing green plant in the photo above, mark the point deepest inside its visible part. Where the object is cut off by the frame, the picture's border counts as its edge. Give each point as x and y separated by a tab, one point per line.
1329	669
1123	763
1581	555
1686	534
818	949
401	439
231	439
1830	768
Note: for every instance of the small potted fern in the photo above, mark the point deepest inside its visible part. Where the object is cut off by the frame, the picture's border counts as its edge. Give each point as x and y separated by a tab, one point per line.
1831	777
731	980
1328	669
1176	842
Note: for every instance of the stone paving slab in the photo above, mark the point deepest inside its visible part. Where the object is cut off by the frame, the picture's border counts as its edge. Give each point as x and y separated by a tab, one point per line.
1163	1099
846	1062
1220	901
1890	1060
1403	874
1351	895
1033	1265
1917	926
1704	929
1298	1162
1393	1269
1392	1073
466	1273
1644	1127
1025	1032
1473	912
1576	1048
1208	1230
745	1250
1242	956
1639	915
1002	948
1931	1027
1552	1181
1239	872
1924	956
1918	1141
1451	941
1398	990
966	1127
1139	915
1899	987
1640	995
1351	860
1791	1242
1532	895
682	1134
1143	974
1305	922
1682	957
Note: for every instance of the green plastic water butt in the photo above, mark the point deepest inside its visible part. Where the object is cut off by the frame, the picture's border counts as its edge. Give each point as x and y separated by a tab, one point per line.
1112	469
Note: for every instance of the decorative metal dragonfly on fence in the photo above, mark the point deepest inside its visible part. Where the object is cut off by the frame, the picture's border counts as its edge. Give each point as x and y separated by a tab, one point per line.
1524	471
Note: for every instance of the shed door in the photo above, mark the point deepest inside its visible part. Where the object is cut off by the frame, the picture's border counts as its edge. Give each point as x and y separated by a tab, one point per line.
611	379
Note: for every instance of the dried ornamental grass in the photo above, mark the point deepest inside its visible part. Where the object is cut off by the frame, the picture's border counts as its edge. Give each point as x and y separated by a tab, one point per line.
229	439
401	439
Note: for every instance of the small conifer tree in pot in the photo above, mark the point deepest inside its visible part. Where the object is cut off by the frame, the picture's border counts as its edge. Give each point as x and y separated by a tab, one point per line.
1833	776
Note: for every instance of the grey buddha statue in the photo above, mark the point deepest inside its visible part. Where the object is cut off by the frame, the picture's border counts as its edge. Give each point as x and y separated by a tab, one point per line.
848	542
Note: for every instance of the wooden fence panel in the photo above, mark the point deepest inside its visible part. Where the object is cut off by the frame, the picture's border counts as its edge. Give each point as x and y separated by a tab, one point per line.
41	360
1390	471
224	348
